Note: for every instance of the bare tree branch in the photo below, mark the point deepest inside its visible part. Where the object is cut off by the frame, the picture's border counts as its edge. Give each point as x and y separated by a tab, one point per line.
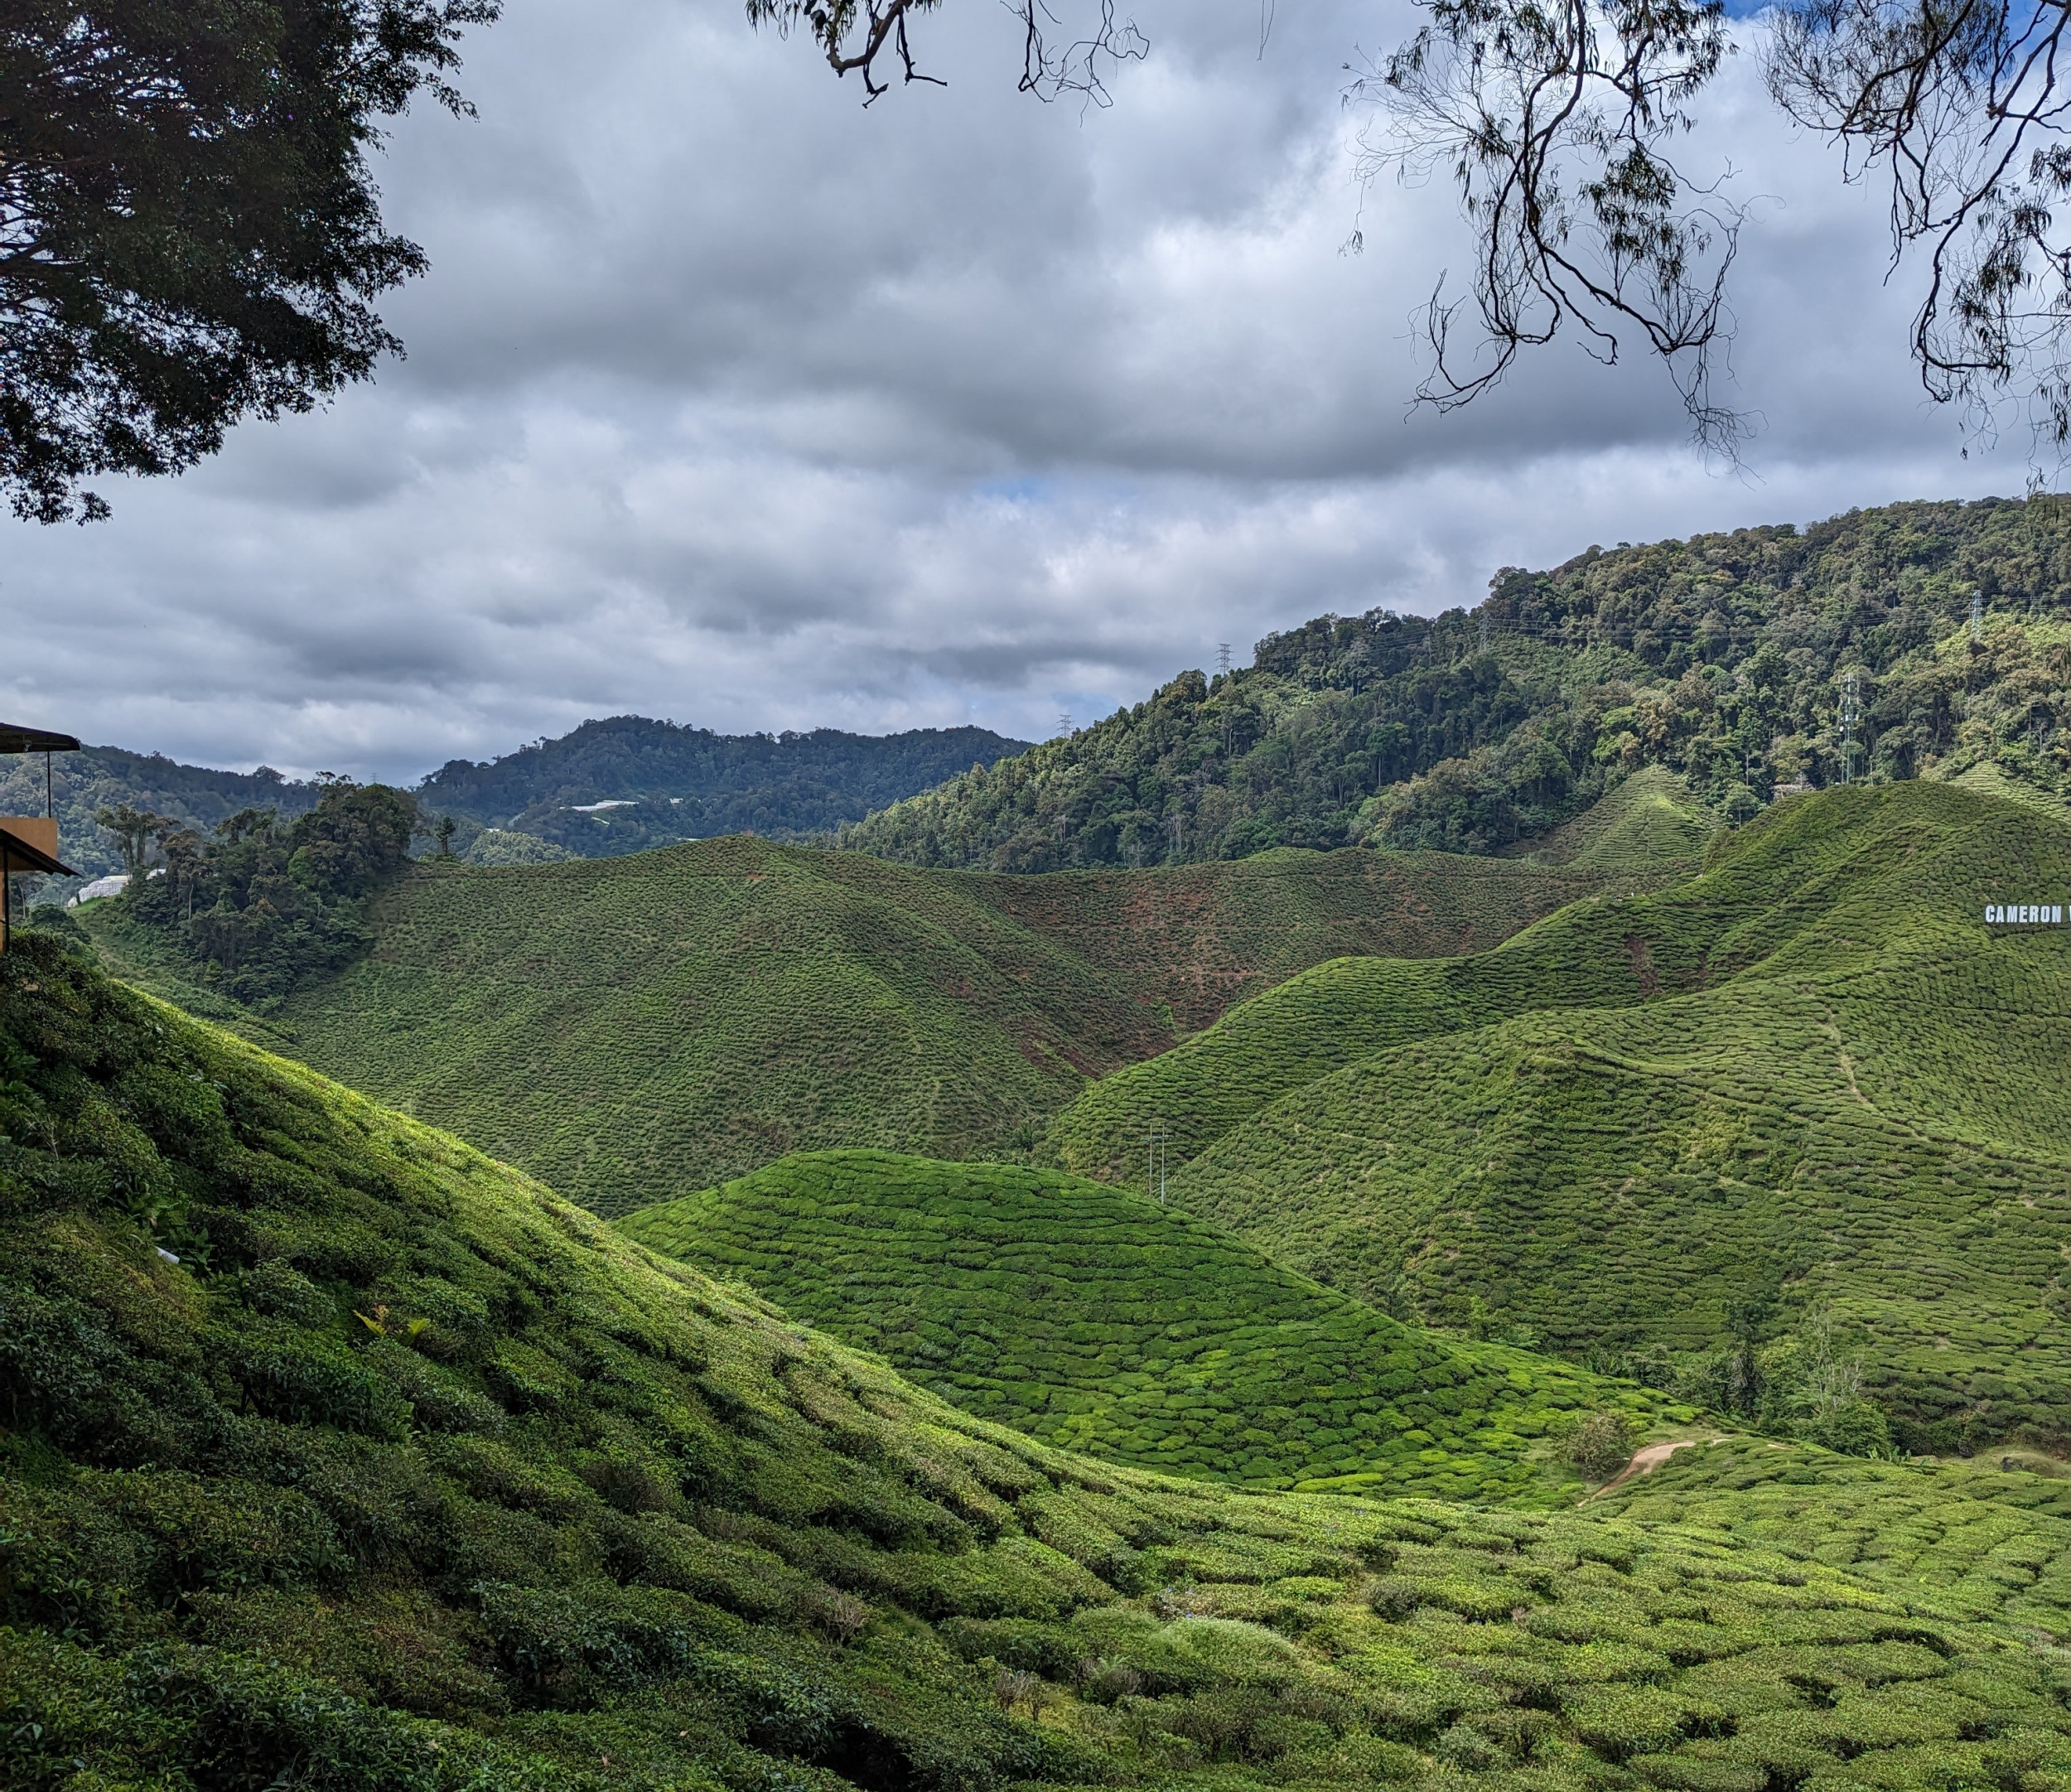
1553	120
1957	106
862	36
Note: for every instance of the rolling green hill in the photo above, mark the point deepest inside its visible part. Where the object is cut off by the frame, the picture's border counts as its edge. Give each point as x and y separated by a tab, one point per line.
1723	657
634	1028
1095	1320
409	1477
1812	1078
1339	1011
639	1027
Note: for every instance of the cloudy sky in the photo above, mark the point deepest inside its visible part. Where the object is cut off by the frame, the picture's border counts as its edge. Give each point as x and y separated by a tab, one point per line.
730	402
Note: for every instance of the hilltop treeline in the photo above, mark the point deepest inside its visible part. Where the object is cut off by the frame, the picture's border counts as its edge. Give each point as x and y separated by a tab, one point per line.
1725	658
82	784
260	903
663	783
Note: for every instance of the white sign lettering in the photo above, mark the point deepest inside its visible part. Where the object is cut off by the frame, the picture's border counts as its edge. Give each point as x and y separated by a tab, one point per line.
2024	914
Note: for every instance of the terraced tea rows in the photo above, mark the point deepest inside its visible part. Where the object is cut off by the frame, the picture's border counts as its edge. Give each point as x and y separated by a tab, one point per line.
636	1027
1096	1321
1198	937
1855	1104
639	1029
409	1477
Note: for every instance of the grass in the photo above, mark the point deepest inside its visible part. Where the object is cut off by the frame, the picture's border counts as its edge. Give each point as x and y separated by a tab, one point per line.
1094	1320
1812	1078
638	1029
410	1475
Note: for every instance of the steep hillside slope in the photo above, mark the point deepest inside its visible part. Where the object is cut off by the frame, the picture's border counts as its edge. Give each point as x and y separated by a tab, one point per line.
1097	1321
409	1477
1604	952
1197	938
1828	1082
1723	657
635	1028
639	1027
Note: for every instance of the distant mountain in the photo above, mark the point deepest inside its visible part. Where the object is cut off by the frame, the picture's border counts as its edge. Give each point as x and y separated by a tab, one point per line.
609	787
1768	658
628	782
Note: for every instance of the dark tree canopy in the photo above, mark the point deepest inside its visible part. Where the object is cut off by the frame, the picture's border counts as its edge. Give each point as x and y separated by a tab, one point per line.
189	231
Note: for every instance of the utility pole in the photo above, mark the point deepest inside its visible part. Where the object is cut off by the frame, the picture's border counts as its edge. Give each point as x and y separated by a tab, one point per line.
1179	833
1850	714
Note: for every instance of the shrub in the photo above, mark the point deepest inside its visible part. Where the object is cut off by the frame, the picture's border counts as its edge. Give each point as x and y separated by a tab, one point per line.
1601	1444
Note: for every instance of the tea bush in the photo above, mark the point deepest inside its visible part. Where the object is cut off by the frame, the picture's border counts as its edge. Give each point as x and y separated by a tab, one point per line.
633	1027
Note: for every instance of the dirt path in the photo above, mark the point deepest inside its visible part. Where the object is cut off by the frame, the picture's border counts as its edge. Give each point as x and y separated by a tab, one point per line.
1645	1460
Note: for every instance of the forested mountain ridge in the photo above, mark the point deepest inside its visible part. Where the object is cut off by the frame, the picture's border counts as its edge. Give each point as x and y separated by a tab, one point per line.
1725	658
659	783
628	782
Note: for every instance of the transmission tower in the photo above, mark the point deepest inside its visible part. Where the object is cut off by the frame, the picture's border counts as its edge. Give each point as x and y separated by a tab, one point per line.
1222	658
1977	613
1063	724
1484	631
1850	714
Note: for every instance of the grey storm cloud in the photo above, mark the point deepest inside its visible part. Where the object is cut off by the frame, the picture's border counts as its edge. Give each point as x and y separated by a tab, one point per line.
731	401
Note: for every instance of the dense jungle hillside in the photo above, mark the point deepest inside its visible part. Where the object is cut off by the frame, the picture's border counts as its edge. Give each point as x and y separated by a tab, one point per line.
1101	1320
637	1028
1735	660
1811	1088
82	784
336	1454
628	782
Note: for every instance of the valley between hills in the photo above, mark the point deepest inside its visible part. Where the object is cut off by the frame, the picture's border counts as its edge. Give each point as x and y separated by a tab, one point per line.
749	1314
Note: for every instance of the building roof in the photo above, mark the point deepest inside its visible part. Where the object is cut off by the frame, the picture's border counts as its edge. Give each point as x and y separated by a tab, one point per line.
14	738
21	855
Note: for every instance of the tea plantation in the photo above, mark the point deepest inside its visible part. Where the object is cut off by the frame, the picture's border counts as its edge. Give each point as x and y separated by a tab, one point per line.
1825	1084
408	1474
639	1028
1097	1321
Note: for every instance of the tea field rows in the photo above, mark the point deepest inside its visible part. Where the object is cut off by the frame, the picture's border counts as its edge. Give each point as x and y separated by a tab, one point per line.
1845	1095
409	1477
639	1029
1096	1321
